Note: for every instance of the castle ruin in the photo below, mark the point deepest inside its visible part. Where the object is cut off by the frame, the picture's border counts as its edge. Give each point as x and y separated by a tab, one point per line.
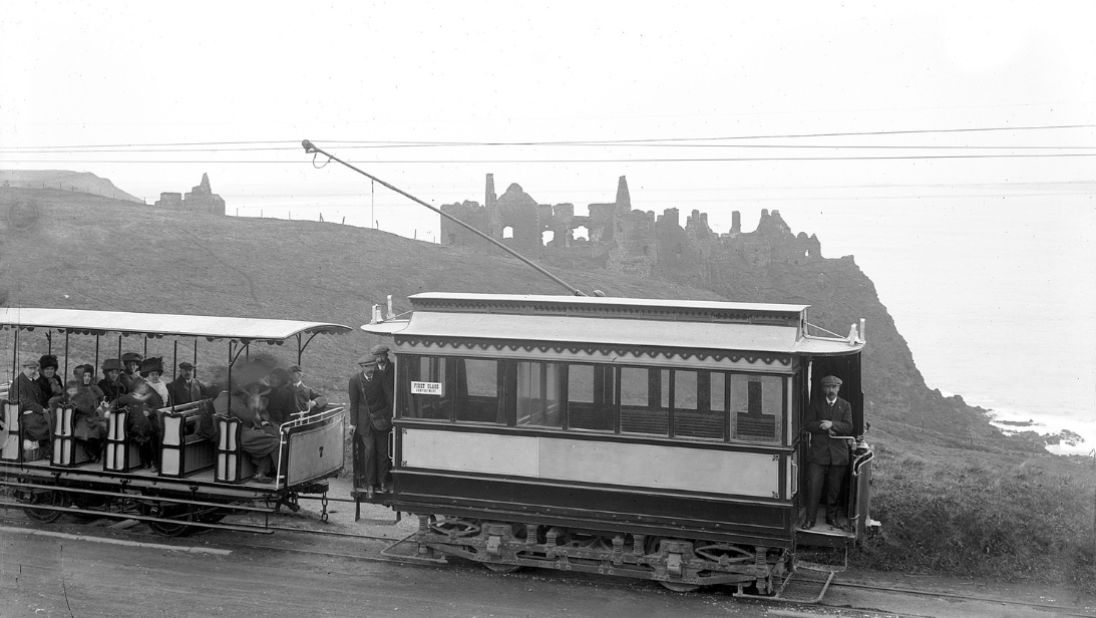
199	199
621	239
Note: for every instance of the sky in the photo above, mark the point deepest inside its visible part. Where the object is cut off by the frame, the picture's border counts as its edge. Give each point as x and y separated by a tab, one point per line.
951	147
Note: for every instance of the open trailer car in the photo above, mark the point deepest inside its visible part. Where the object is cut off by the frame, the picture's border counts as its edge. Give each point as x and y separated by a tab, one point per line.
200	476
655	439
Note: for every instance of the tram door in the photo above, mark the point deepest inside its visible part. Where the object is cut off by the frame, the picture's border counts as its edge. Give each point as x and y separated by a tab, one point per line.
847	368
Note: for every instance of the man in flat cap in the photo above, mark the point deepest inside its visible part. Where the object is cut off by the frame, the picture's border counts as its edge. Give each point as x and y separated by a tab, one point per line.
371	417
828	458
385	366
187	388
303	398
37	426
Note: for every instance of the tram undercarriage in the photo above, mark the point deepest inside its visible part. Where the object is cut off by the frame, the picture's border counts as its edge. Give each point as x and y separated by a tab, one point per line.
677	564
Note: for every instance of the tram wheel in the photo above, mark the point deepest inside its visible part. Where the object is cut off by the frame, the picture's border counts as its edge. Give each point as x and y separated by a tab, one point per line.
46	498
169	511
498	567
679	586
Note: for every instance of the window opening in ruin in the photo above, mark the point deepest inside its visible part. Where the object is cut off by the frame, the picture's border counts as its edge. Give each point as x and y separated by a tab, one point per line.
547	237
508	231
581	233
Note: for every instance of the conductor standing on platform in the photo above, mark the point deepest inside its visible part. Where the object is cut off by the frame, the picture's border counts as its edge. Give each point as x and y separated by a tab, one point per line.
828	457
371	416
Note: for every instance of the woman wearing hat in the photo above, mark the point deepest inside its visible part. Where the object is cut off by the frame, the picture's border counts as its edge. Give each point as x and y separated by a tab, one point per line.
49	383
142	405
151	370
111	385
90	424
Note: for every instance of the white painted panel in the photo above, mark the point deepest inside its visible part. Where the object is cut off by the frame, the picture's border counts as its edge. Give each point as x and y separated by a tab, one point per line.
470	452
660	467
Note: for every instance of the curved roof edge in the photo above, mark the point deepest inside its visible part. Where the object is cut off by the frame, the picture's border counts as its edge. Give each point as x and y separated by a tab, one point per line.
210	327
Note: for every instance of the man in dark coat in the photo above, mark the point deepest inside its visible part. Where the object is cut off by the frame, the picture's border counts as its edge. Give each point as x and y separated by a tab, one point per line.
828	457
385	366
371	416
186	388
38	425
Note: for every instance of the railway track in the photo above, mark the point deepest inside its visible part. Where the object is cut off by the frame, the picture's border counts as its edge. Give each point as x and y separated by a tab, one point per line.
255	543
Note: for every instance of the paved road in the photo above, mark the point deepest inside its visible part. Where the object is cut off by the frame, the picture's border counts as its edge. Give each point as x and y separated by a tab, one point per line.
88	569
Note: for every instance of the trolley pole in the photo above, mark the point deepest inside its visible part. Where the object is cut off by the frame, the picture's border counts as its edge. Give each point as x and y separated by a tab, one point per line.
310	148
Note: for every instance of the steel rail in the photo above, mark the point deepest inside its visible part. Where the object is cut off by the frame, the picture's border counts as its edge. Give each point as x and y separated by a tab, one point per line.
311	148
964	597
135	496
178	522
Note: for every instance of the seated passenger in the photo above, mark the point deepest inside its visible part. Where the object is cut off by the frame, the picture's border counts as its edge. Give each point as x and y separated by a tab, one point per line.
36	422
303	398
143	421
131	361
49	383
151	370
279	404
90	423
111	384
258	435
186	388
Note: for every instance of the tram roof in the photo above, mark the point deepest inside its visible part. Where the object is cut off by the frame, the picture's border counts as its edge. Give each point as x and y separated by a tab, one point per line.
597	302
211	327
604	321
563	330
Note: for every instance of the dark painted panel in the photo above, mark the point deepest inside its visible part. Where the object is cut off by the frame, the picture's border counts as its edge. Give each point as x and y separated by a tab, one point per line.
587	506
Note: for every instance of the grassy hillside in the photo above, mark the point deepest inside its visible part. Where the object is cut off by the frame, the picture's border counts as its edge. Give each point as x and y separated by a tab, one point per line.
954	496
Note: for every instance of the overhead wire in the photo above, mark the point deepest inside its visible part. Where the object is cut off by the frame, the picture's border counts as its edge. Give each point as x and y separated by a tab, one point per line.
604	142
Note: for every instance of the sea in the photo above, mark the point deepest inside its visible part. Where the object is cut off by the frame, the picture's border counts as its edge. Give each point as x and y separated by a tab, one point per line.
994	293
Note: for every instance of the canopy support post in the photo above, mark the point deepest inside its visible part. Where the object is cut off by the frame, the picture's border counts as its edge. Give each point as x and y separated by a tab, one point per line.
120	349
49	342
96	356
300	348
65	377
14	355
175	361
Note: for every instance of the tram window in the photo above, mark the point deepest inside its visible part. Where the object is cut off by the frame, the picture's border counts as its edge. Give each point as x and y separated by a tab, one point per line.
538	394
477	388
699	404
427	406
757	407
590	397
645	401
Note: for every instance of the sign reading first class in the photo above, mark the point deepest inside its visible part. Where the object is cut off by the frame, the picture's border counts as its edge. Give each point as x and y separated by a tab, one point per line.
426	388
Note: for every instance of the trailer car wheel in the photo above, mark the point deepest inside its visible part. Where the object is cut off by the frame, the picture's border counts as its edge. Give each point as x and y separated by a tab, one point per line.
501	568
46	498
168	511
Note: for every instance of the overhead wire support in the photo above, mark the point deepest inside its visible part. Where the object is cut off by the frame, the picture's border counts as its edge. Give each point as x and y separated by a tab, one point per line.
311	148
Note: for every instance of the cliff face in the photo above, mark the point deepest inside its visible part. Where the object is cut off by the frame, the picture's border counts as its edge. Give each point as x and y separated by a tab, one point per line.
769	264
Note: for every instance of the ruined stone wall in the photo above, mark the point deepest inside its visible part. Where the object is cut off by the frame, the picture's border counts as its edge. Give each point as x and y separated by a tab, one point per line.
625	240
199	199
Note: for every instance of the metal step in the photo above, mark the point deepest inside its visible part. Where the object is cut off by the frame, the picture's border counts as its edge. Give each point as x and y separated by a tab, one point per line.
805	586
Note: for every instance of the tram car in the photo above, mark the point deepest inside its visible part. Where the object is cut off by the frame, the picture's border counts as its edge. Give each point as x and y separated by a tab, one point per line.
202	472
653	439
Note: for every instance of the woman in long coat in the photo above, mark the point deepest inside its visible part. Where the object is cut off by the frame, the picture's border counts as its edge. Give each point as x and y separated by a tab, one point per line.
143	420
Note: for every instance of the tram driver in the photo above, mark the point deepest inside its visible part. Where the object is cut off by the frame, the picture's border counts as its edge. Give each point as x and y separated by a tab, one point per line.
827	419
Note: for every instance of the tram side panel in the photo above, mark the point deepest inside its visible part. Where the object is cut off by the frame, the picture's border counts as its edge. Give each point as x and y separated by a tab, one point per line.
484	436
641	488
